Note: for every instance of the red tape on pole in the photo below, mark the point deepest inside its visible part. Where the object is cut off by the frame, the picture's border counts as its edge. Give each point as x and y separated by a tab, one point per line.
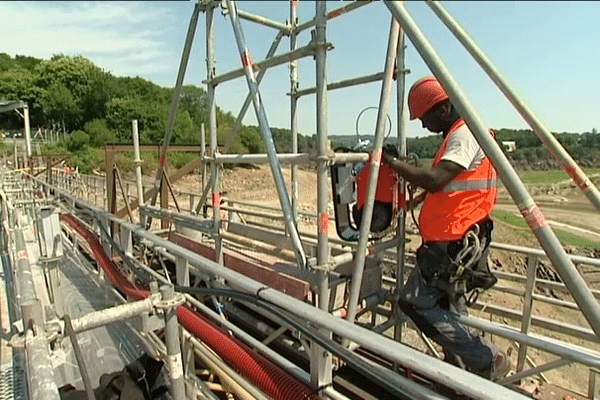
571	170
324	223
377	156
216	200
22	255
534	217
246	60
162	160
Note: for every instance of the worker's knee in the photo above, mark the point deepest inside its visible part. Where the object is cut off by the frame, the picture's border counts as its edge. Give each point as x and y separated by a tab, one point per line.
407	308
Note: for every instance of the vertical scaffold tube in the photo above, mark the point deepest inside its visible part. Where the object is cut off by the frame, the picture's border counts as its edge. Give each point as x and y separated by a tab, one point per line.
177	388
138	169
321	363
212	127
267	136
401	143
549	141
529	209
365	224
294	104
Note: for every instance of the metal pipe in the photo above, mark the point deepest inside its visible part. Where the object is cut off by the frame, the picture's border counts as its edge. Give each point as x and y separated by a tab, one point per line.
342	84
42	384
138	169
87	384
267	136
203	167
291	158
231	379
256	244
365	224
336	12
321	361
283	28
529	209
265	64
402	151
535	370
550	142
212	123
176	389
248	100
174	103
527	308
294	105
31	308
109	315
540	253
27	132
572	354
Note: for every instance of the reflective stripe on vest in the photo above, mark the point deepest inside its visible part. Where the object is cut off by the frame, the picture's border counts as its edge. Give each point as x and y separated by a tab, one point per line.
469	186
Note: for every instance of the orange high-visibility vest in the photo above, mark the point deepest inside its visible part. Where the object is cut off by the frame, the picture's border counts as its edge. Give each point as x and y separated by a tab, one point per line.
448	214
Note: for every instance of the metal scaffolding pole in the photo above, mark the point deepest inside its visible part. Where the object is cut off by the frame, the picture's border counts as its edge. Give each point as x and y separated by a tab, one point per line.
242	113
550	142
529	209
138	169
401	143
212	126
321	362
365	224
174	103
259	19
267	136
336	12
294	105
267	63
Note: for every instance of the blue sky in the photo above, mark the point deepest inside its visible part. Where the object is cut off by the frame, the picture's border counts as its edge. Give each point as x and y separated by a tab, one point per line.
549	52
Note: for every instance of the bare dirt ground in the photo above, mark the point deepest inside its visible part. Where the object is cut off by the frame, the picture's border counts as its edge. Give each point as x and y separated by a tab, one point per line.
564	206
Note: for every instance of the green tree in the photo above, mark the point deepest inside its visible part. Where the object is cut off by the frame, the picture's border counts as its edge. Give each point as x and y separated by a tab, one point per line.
27	62
99	132
78	140
6	62
184	129
194	100
73	79
151	118
60	105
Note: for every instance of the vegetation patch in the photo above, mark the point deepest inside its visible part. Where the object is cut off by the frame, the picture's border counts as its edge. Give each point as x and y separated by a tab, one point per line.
565	238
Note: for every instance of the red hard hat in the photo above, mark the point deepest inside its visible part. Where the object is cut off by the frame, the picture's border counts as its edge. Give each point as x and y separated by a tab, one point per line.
423	95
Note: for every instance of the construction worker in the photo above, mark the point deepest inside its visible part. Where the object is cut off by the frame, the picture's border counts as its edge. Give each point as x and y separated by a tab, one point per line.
455	228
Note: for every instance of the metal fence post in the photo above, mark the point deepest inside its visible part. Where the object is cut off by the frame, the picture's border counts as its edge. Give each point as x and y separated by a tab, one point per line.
527	308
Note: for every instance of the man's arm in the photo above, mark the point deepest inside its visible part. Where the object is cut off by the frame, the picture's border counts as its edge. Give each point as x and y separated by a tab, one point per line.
432	180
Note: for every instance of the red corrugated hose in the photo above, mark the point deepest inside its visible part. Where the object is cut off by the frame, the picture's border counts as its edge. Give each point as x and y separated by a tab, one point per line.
268	377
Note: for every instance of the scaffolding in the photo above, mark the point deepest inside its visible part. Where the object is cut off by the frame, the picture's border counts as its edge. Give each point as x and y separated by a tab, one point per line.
322	325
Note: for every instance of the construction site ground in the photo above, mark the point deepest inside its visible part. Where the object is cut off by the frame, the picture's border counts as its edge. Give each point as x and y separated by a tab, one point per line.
564	206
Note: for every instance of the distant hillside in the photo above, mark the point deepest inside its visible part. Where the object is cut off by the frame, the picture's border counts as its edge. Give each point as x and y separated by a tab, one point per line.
529	152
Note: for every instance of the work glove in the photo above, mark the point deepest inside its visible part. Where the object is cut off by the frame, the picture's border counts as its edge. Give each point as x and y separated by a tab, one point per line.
389	153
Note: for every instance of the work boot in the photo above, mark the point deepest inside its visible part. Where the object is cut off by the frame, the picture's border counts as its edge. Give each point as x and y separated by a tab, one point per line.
453	359
498	368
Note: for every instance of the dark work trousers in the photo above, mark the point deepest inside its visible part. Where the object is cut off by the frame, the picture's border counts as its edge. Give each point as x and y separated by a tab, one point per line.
435	311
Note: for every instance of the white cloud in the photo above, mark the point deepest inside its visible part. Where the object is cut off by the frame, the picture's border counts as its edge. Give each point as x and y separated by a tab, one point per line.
126	38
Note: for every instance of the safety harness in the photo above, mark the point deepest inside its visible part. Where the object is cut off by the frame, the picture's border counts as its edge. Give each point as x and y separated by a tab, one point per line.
468	272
